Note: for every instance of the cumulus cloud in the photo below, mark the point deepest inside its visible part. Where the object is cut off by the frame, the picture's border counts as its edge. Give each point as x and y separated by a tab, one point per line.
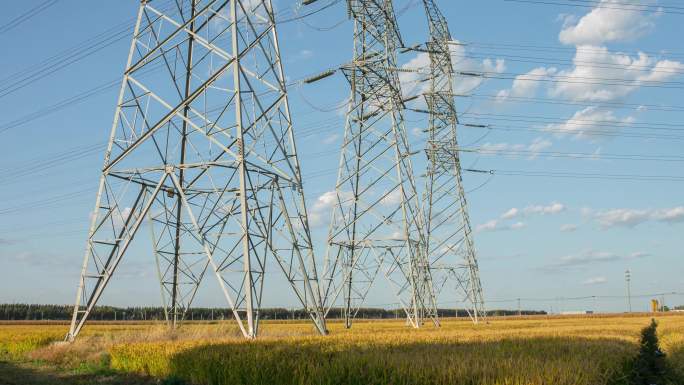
411	81
671	215
514	150
512	213
590	122
621	217
526	85
585	80
553	208
497	225
607	24
550	209
319	213
630	218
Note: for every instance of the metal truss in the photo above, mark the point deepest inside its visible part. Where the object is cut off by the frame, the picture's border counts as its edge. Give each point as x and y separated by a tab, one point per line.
376	220
202	152
451	251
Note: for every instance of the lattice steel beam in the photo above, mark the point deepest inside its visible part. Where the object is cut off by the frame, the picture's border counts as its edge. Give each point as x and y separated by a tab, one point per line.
202	149
451	251
376	222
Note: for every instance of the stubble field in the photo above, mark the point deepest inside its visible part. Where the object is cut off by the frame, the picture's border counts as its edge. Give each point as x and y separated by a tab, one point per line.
532	351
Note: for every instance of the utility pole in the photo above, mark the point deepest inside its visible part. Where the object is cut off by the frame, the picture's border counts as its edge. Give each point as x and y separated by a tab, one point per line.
451	249
202	148
519	309
376	225
628	280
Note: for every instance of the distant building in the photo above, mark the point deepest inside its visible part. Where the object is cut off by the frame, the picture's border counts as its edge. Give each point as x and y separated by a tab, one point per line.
577	312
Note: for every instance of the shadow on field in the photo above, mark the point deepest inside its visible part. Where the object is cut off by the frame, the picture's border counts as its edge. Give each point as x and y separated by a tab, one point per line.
553	361
24	374
676	359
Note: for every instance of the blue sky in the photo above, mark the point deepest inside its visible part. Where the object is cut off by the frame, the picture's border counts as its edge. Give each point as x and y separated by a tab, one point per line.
592	94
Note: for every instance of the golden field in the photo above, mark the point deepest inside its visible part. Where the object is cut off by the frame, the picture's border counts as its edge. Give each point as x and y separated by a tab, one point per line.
531	351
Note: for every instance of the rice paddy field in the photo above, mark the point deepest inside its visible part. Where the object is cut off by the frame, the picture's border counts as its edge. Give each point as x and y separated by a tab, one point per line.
592	350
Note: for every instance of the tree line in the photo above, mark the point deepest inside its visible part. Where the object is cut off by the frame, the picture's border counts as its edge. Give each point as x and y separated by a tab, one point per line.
30	312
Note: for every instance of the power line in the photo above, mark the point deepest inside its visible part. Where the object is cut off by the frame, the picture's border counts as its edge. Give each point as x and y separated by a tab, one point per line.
578	122
622	6
571	102
571	79
579	175
547	48
590	133
574	155
43	164
26	16
577	63
91	46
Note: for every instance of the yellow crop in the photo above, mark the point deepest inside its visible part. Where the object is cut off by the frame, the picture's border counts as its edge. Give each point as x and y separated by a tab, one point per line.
534	351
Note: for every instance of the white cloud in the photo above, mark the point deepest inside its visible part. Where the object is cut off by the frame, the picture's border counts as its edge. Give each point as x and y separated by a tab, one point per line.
531	150
512	213
621	217
597	74
590	122
633	217
553	208
595	281
538	145
526	85
496	225
411	81
672	215
319	213
568	228
607	24
585	81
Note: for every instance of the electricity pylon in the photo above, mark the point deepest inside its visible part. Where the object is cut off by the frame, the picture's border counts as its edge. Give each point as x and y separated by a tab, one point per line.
451	251
376	220
202	150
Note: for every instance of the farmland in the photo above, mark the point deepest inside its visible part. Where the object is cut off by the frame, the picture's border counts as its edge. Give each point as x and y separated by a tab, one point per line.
528	351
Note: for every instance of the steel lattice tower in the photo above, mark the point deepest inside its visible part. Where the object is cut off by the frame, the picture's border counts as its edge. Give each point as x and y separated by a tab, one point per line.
202	151
451	251
376	221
